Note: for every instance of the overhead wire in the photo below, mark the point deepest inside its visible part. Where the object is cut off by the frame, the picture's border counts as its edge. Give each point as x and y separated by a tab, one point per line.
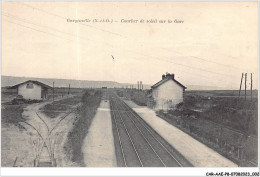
59	16
203	59
157	58
38	30
50	28
199	58
53	14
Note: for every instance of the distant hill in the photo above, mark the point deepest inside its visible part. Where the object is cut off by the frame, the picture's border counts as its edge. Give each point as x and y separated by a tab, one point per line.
11	80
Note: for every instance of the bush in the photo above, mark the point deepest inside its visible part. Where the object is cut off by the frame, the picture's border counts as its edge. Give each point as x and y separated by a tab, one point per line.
12	114
90	102
229	111
54	109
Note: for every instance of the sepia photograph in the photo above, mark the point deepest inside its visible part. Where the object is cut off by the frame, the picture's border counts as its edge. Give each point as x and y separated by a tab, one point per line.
130	84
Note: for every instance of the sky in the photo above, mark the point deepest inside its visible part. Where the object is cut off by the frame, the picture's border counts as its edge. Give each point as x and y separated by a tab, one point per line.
215	44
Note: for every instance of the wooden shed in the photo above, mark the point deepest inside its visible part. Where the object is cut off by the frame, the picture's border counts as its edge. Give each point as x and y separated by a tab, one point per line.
32	90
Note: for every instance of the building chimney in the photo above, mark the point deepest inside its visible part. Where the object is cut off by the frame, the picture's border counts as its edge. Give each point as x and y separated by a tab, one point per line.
172	76
163	76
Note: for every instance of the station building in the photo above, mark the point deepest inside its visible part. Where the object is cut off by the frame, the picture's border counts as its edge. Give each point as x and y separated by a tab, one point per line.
166	93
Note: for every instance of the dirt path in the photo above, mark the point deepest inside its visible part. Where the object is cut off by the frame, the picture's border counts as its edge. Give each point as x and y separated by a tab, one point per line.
57	137
194	151
98	148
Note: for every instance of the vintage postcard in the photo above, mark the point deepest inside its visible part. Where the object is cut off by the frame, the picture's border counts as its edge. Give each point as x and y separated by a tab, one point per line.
130	84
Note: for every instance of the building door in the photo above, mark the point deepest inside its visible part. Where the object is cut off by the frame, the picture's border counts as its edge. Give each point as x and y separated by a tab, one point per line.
44	94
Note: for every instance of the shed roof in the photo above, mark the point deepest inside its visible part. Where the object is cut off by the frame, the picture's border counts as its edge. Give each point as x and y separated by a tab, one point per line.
165	80
35	82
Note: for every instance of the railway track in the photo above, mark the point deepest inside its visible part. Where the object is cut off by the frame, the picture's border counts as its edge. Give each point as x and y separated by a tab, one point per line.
46	140
137	144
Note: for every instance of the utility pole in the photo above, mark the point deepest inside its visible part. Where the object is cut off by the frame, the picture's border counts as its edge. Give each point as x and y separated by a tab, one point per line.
53	92
251	87
245	85
241	83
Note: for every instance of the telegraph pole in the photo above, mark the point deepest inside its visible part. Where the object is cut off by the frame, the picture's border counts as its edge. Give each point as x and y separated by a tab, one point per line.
245	85
251	87
241	83
53	92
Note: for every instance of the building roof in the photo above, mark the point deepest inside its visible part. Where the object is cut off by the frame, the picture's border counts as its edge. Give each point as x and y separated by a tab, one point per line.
165	80
35	82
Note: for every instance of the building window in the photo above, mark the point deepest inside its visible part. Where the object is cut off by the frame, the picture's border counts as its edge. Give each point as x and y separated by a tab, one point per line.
29	86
